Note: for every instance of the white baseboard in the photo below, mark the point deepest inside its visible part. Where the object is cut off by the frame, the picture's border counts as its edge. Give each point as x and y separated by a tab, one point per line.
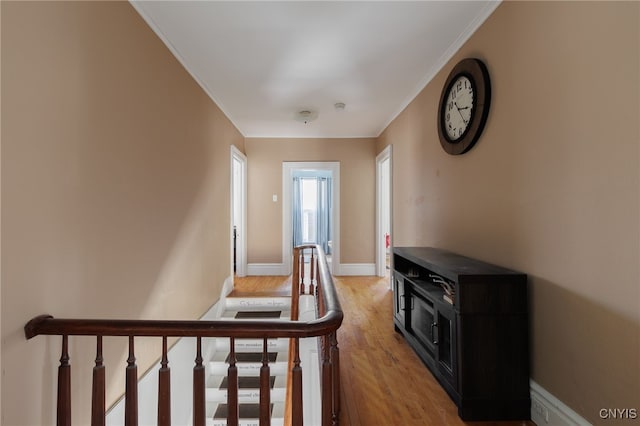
217	309
363	269
546	409
254	269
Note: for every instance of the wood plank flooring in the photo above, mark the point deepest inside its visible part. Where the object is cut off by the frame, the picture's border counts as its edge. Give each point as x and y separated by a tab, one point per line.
383	381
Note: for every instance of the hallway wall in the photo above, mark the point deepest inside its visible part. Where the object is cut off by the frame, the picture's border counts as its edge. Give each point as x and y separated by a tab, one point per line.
357	193
115	193
552	187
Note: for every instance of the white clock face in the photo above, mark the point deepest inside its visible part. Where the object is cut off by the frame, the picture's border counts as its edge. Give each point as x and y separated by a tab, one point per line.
457	114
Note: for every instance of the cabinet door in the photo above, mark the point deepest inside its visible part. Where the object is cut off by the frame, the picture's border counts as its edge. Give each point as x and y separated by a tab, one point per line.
422	322
399	298
447	345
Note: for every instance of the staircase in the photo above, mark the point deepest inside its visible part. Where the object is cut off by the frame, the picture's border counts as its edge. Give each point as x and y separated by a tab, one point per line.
249	361
237	307
204	367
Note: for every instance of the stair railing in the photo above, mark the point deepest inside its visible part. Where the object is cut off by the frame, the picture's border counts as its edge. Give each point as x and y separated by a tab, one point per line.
312	281
325	327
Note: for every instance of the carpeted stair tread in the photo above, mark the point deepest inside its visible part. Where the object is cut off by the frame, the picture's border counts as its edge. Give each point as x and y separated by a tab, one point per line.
245	411
258	314
247	382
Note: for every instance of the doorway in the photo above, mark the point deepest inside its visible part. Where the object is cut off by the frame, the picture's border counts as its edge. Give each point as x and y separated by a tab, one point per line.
383	213
238	212
312	207
326	174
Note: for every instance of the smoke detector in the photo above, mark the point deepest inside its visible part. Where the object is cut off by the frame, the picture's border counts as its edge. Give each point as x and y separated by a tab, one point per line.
306	116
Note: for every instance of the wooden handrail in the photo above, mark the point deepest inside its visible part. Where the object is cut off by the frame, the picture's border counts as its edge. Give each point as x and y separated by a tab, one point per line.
329	322
48	325
325	327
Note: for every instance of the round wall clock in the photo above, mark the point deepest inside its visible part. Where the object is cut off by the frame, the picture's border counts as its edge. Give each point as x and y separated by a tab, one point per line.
464	106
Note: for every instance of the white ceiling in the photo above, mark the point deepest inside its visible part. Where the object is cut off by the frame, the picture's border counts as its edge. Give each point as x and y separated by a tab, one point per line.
262	62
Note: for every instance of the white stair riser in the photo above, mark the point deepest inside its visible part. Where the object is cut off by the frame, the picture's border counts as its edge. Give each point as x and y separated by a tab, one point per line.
248	368
245	422
253	345
258	303
245	396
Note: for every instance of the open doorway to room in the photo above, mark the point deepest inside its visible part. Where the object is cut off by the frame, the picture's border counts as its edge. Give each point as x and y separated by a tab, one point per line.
311	209
383	213
238	212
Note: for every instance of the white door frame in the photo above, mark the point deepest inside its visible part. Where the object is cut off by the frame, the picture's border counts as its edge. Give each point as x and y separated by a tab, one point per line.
380	245
241	240
288	169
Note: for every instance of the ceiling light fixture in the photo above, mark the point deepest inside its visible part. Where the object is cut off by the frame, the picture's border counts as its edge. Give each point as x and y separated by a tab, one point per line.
306	116
339	106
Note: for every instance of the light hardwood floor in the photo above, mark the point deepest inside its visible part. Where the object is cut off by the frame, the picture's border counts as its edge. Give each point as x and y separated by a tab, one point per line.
383	381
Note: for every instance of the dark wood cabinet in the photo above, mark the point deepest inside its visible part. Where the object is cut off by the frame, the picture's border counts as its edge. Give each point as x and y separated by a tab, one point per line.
468	322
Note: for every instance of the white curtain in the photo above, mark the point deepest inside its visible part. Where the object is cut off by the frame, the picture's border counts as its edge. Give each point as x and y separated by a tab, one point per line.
322	223
324	213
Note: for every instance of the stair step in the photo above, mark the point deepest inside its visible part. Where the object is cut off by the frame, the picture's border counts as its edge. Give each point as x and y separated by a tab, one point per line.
245	396
248	368
245	382
257	303
257	315
254	357
250	357
248	414
248	389
253	345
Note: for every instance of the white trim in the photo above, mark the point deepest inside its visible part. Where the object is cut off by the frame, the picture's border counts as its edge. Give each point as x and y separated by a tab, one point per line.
380	248
557	413
444	58
287	180
217	309
241	242
258	269
362	269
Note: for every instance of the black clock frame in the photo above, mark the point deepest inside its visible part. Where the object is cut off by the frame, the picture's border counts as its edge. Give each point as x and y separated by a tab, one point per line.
476	71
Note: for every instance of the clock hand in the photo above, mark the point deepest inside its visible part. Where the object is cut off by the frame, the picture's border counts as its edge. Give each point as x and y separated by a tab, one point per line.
458	108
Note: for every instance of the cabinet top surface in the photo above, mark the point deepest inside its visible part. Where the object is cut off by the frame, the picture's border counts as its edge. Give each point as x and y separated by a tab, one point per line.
447	263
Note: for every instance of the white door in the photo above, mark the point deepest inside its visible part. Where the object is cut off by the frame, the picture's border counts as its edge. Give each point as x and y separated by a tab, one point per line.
383	212
238	212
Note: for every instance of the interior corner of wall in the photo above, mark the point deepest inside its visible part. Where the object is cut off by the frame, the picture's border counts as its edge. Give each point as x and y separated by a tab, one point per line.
217	309
227	287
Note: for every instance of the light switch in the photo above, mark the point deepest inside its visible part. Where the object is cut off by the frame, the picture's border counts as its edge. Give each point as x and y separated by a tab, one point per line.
275	198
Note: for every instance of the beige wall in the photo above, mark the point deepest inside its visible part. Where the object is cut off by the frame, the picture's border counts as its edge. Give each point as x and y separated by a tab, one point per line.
551	188
357	193
115	189
115	192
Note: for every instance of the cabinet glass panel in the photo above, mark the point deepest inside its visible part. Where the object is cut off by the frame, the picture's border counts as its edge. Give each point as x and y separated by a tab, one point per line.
422	322
444	342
